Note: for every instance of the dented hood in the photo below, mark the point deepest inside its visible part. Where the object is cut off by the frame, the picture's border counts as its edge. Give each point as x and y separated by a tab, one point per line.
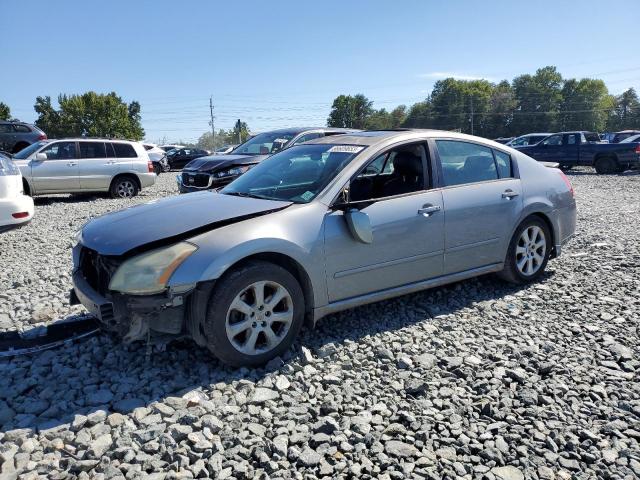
170	220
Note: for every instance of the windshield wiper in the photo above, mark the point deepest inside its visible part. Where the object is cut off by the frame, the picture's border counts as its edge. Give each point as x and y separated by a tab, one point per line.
249	195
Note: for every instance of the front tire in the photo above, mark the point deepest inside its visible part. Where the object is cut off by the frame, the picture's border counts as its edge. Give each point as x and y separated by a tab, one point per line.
254	314
124	187
528	252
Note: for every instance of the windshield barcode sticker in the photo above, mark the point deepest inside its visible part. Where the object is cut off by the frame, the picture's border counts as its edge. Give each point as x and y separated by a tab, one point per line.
345	149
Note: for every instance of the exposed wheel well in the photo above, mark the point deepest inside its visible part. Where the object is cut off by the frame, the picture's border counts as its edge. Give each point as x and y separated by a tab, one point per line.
547	221
25	187
293	267
129	175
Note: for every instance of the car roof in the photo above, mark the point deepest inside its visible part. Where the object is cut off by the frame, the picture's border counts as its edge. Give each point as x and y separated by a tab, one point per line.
92	139
374	137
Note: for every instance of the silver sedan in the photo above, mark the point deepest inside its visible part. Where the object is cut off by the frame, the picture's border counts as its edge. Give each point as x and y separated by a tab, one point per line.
321	227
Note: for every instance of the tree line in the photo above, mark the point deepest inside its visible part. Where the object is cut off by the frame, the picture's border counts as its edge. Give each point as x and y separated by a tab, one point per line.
542	102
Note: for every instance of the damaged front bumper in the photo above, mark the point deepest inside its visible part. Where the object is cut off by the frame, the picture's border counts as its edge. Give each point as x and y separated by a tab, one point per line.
133	317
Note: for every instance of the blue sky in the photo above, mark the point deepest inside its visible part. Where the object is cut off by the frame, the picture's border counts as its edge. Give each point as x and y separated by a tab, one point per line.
281	63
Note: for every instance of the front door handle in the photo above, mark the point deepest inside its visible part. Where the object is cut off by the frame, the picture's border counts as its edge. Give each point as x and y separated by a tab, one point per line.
428	210
509	194
71	164
111	162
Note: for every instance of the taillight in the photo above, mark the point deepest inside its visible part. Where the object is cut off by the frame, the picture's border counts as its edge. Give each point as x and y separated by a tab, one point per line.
637	150
20	214
566	181
150	166
42	136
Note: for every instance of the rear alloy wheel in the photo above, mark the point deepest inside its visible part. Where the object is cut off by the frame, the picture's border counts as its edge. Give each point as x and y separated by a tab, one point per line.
606	166
157	169
124	187
254	314
528	252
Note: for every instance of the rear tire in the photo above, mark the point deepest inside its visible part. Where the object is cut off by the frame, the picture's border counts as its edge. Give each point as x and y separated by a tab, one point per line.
124	187
606	165
254	314
157	169
528	252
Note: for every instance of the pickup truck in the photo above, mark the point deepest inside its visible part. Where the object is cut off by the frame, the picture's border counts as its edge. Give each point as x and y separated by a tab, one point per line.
571	149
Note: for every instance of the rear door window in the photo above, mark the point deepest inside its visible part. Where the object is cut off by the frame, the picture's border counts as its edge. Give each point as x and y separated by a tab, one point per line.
553	140
92	150
21	128
124	150
464	162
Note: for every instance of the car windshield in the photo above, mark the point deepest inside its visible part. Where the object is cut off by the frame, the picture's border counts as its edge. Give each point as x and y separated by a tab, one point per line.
631	139
297	174
25	152
265	143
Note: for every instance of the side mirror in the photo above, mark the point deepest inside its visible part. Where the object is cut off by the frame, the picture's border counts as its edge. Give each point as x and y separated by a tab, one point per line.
359	225
40	157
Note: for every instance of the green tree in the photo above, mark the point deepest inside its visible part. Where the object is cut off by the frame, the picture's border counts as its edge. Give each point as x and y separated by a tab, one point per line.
502	104
350	111
223	138
625	113
90	114
539	98
586	104
384	120
239	133
5	111
420	115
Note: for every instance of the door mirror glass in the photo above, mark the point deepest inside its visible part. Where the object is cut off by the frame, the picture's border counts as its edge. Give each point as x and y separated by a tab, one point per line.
41	157
359	225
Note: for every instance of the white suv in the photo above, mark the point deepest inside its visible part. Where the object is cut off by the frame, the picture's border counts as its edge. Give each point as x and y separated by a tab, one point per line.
72	165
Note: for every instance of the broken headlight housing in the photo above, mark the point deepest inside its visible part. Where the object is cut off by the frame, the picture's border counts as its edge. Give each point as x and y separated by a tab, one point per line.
148	273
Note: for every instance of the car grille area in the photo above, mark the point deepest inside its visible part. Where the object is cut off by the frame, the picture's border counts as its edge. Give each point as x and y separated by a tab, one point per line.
198	180
97	269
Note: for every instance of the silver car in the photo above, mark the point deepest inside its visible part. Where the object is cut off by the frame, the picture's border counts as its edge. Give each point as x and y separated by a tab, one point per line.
324	226
75	165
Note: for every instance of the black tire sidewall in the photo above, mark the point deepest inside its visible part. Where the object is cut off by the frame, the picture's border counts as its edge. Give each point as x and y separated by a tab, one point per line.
511	272
116	182
609	164
225	291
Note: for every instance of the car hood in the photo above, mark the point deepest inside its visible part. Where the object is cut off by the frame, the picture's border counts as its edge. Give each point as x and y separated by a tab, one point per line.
169	220
213	163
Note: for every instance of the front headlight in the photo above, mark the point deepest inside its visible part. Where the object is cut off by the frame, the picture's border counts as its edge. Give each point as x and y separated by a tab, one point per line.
232	171
149	272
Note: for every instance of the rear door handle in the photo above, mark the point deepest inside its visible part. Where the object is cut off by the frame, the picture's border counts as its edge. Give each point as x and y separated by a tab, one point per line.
428	210
509	194
71	164
111	162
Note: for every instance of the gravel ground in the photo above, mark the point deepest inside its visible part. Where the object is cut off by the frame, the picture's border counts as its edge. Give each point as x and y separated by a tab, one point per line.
474	380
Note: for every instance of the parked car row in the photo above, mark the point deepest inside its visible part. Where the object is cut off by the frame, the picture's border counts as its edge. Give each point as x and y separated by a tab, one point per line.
217	170
582	148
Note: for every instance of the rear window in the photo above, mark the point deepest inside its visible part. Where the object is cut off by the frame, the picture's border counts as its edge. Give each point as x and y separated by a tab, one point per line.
92	150
124	150
591	137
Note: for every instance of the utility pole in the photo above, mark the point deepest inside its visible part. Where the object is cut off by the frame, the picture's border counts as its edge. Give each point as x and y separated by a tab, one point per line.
213	129
471	115
239	127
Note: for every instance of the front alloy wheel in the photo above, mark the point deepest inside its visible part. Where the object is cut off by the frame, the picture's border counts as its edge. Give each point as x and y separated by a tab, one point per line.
253	314
259	318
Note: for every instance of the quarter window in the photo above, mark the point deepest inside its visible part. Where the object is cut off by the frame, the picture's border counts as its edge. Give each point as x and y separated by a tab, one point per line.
124	150
92	150
503	161
464	162
60	151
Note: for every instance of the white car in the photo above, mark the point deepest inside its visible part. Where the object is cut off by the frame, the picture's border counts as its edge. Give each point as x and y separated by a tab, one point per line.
75	165
16	208
157	156
170	146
